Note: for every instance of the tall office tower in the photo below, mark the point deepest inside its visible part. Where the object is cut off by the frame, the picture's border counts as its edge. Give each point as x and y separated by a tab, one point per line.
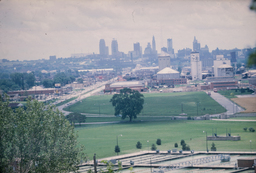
148	49
114	47
153	45
136	47
169	46
102	47
196	45
196	66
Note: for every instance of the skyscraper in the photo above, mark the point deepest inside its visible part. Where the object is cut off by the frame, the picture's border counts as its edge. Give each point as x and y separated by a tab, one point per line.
169	46
102	47
114	47
196	45
153	45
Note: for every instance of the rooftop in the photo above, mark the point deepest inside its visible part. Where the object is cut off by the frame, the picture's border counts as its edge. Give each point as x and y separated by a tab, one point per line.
167	70
127	84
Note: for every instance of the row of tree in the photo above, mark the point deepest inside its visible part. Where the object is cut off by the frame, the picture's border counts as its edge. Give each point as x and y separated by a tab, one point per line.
24	81
17	81
61	78
38	139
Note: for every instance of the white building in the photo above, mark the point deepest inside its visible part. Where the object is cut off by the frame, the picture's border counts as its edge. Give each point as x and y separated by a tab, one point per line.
220	60
164	60
196	66
225	71
168	73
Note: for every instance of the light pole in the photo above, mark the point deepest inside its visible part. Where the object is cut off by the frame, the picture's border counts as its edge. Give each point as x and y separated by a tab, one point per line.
147	145
251	145
117	140
206	141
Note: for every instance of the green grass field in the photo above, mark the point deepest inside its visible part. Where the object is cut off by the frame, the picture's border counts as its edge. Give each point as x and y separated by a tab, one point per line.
66	101
101	139
155	104
232	93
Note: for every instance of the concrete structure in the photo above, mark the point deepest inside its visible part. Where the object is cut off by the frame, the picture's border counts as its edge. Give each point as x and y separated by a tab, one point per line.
114	47
169	46
103	48
220	60
164	60
224	84
154	45
168	73
196	66
53	58
196	45
117	86
225	71
223	138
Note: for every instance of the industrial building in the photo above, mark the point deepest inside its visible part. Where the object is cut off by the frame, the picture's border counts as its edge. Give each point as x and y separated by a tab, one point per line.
196	66
219	62
117	86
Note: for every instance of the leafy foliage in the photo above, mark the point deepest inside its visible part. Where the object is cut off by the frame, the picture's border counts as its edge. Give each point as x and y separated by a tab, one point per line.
138	145
251	129
48	83
158	141
213	147
185	147
38	139
153	147
128	103
182	142
76	117
176	145
117	149
245	128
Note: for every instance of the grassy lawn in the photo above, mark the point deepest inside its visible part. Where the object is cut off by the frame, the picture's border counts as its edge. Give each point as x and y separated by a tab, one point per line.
244	118
101	139
232	93
66	101
155	104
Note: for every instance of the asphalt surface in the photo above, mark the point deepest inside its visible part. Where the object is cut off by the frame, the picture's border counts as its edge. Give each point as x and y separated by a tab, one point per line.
231	107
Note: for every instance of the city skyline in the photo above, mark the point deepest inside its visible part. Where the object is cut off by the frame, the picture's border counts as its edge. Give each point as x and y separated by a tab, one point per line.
37	29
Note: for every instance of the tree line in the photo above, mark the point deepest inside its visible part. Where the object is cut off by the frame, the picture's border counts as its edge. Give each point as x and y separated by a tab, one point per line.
38	139
24	81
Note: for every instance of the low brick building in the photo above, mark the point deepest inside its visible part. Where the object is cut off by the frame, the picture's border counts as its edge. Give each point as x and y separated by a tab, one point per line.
117	86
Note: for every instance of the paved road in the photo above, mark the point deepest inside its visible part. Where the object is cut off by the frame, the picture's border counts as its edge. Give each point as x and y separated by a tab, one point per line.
91	90
231	107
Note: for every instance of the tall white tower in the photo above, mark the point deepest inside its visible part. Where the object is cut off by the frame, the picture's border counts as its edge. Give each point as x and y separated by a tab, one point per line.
164	61
196	66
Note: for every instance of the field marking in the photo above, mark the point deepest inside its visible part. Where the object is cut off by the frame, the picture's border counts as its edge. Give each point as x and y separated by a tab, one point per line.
230	120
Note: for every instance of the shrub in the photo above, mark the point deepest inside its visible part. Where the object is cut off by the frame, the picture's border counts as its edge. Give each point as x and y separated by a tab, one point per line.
182	142
213	148
189	118
138	145
175	145
251	129
158	141
117	149
153	147
245	128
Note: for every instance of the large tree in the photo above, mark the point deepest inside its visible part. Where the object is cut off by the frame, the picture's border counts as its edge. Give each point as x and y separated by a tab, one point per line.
128	103
38	139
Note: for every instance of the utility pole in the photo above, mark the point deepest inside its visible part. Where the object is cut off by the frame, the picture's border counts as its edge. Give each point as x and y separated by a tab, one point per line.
95	163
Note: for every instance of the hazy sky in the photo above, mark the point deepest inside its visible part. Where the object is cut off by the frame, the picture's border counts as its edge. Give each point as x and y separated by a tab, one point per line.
36	29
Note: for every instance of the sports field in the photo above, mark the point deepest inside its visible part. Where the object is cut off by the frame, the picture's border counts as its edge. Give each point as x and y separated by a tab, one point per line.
101	139
155	104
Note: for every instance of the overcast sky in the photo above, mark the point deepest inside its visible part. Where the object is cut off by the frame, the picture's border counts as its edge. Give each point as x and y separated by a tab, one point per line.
36	29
